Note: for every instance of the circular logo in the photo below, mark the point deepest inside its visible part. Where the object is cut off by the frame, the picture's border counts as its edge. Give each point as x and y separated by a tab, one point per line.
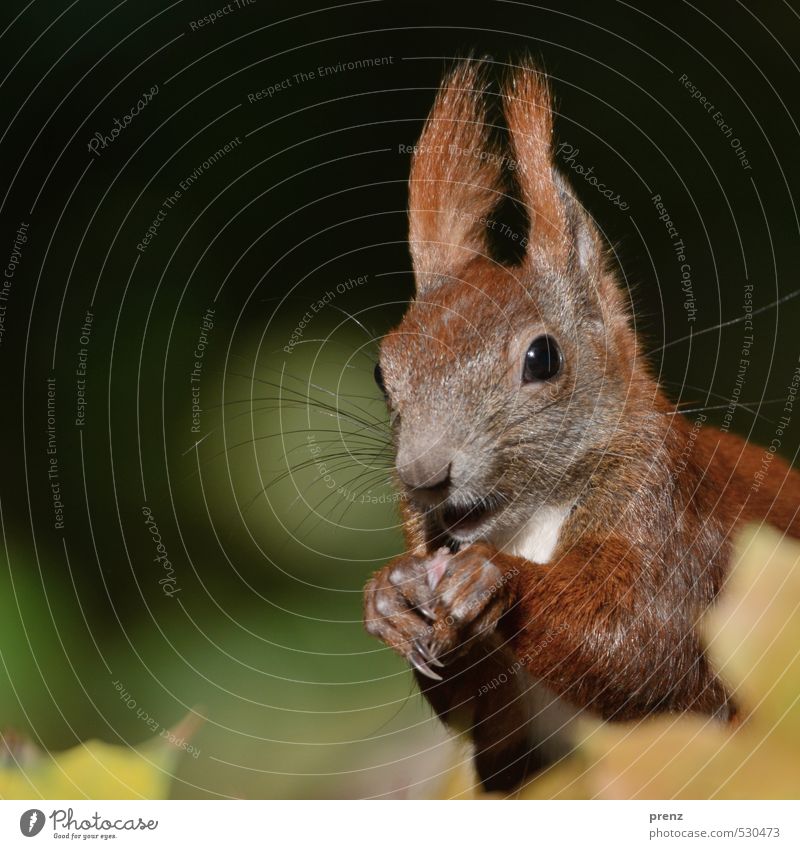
31	822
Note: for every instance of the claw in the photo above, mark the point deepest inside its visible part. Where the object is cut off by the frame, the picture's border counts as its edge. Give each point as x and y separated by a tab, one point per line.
419	664
427	654
426	612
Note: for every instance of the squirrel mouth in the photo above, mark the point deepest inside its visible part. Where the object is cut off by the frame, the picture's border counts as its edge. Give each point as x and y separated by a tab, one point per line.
465	517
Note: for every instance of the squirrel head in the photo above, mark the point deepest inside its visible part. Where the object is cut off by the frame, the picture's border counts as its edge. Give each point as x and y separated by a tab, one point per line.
507	374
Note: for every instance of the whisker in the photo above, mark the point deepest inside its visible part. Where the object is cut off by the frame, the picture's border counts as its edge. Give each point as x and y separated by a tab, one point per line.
282	387
380	478
744	404
385	469
314	511
694	335
381	440
368	333
289	472
372	442
315	461
195	445
362	459
349	503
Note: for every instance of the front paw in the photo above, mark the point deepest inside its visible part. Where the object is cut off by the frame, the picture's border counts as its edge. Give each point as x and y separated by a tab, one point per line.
431	610
469	599
398	608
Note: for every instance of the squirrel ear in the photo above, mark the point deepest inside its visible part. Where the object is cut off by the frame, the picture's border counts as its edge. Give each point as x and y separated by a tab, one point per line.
456	177
528	112
562	233
599	291
472	158
586	250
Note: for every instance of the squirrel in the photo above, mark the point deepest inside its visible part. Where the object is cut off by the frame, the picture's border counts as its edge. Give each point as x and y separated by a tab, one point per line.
565	529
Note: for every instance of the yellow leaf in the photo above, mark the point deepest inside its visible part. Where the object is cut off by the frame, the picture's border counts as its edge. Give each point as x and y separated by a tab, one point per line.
94	769
753	638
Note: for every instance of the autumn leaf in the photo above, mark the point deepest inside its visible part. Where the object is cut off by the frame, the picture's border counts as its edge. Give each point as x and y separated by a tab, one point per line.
93	769
753	638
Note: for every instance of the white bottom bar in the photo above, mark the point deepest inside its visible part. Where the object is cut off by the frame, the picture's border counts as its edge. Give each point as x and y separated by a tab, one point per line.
402	825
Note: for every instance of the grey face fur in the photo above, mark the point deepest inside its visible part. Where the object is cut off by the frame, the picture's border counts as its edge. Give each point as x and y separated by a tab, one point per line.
469	432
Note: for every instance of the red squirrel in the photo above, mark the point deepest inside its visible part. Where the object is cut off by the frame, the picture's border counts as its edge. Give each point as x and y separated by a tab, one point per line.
565	529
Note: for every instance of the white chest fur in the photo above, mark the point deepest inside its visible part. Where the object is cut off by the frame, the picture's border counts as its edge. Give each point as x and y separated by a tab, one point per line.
537	539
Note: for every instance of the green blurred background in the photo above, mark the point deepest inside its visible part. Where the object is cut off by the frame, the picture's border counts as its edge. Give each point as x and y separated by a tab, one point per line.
276	509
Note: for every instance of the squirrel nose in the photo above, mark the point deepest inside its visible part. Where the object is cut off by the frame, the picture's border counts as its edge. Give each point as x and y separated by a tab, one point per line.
427	469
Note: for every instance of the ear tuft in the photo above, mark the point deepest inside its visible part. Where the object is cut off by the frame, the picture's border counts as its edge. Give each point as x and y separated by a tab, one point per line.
486	155
528	110
455	176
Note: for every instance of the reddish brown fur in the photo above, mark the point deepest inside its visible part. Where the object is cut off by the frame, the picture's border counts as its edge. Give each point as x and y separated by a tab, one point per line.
609	624
451	195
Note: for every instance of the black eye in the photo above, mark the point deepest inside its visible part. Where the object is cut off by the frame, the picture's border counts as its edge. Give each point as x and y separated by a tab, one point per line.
542	360
378	374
